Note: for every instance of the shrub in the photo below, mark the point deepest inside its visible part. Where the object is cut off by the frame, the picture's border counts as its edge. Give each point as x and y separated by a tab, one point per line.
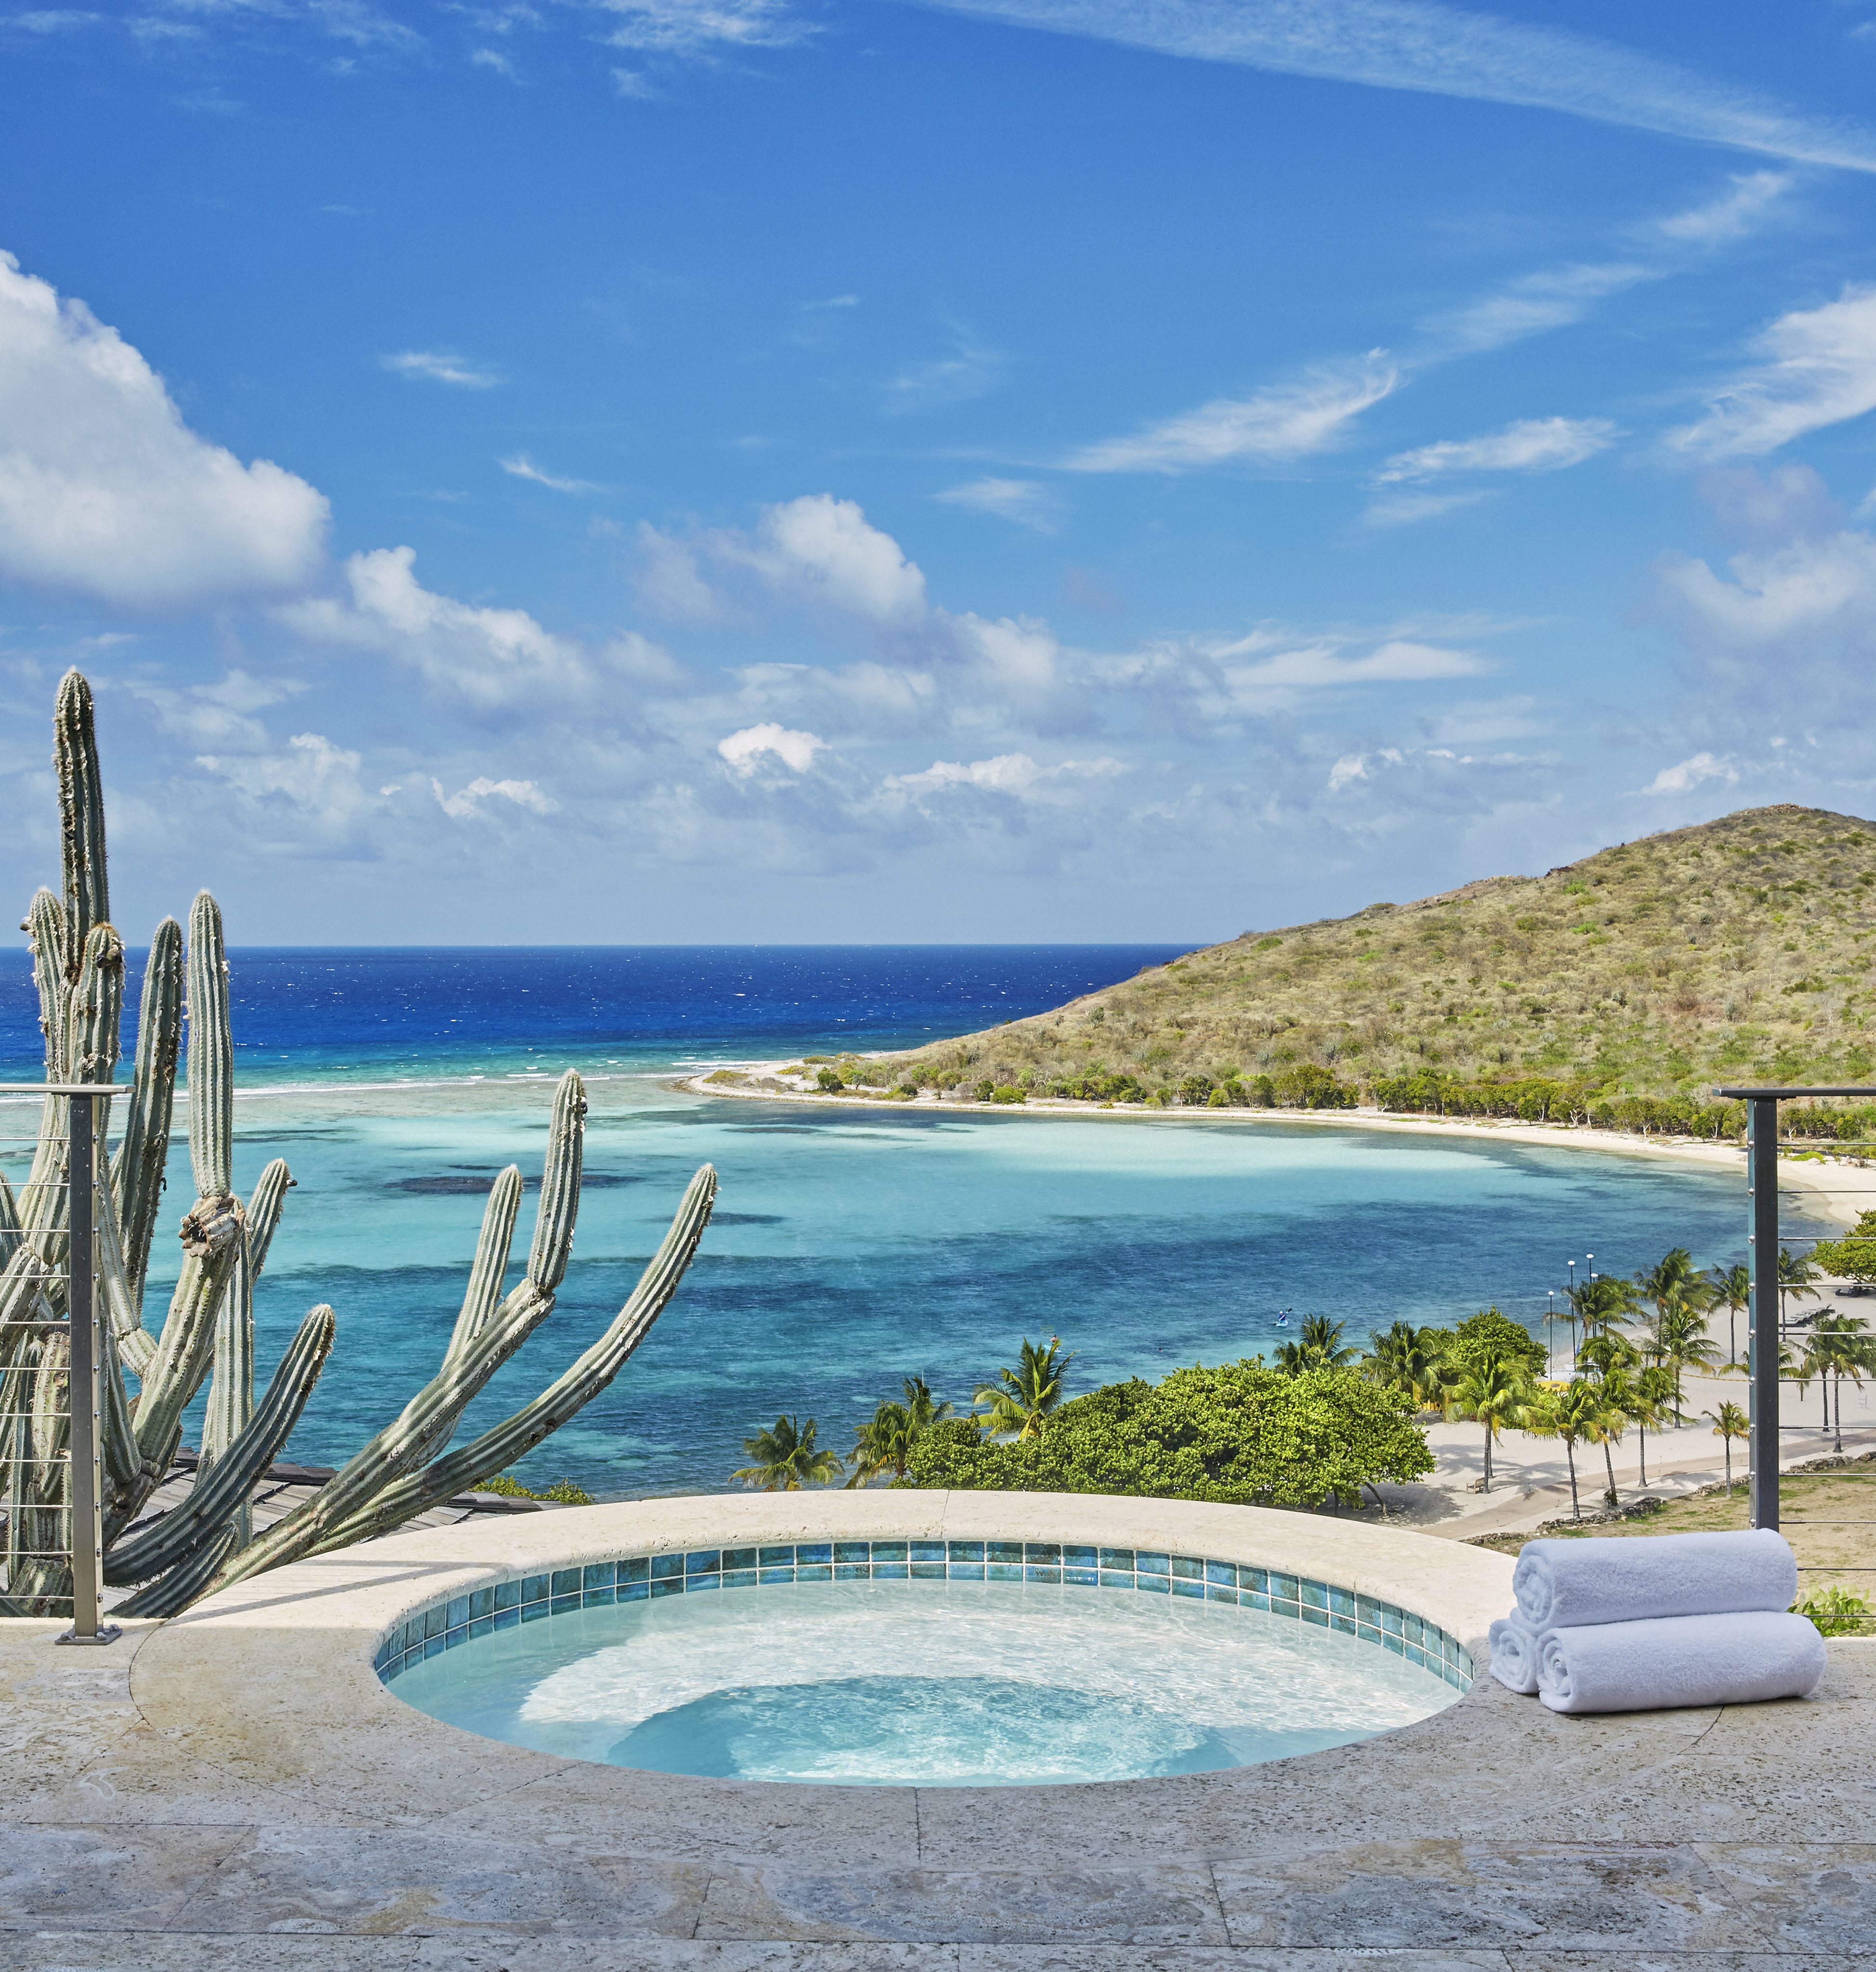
1008	1092
1837	1612
1195	1091
984	1090
829	1080
1306	1086
1238	1433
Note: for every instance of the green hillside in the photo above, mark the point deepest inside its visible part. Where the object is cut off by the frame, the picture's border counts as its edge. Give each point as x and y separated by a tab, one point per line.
1738	949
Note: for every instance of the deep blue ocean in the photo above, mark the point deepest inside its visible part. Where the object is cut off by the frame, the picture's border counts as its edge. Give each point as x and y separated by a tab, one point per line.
850	1247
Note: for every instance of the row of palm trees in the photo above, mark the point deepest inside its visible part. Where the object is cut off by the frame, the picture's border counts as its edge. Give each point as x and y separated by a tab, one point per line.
1013	1405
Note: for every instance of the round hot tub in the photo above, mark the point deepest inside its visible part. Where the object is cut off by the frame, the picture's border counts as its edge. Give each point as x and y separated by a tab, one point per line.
926	1663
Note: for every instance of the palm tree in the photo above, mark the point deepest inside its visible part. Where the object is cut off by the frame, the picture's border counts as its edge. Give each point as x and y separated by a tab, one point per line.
787	1459
1609	1355
1732	1290
1648	1392
1729	1422
884	1443
1567	1412
1680	1338
1602	1302
1320	1347
1606	1426
1795	1277
1668	1279
1408	1360
1840	1345
1493	1393
1018	1403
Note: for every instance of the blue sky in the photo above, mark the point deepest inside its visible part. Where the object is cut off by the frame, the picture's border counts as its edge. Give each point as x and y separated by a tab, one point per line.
840	470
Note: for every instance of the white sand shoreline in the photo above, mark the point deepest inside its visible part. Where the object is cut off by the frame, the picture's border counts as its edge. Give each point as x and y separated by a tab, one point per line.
1836	1188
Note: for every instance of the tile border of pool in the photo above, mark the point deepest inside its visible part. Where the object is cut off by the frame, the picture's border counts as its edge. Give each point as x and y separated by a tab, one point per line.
518	1597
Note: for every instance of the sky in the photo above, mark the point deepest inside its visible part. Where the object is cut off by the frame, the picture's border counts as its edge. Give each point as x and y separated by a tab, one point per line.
644	471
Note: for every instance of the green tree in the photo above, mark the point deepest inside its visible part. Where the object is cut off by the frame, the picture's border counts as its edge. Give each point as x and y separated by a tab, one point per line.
1495	1392
1852	1258
1732	1290
1606	1428
1320	1346
1794	1276
1238	1433
1490	1333
1020	1399
1567	1412
1839	1346
1604	1302
884	1443
786	1459
1609	1355
1648	1392
1729	1422
1680	1337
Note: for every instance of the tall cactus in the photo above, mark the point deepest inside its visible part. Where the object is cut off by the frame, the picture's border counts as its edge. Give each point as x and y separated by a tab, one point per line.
208	1334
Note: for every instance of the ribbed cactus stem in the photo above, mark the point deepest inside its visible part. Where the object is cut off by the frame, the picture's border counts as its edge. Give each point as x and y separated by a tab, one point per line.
211	1054
137	1169
9	1222
122	1309
559	1186
184	1349
94	1014
81	815
484	1295
173	1593
45	930
263	1212
219	1495
497	1448
231	1387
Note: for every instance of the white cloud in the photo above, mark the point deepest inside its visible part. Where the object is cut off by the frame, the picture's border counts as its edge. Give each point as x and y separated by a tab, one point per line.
492	58
823	550
1819	369
1282	422
1689	773
1446	50
702	27
1731	216
670	582
313	777
1531	445
1013	774
1354	766
1399	660
105	491
522	467
491	657
971	371
634	86
1401	510
1552	298
49	21
1023	500
746	751
440	366
466	804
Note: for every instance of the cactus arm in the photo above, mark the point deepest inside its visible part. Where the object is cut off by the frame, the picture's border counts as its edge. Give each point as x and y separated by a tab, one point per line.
559	1186
508	1440
392	1451
81	815
94	1014
136	1346
123	1463
211	1053
172	1593
484	1295
231	1387
183	1348
137	1169
219	1495
264	1206
45	928
9	1222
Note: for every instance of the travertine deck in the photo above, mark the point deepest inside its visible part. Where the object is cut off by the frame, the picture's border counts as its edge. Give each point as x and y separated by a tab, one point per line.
236	1790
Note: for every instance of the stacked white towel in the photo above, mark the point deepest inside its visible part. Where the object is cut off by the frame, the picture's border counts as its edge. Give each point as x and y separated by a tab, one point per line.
1639	1624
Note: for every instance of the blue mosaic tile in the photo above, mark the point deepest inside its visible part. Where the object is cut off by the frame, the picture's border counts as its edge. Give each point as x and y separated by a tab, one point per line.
1223	1573
1080	1578
1181	1586
928	1571
1151	1564
777	1557
705	1561
534	1588
637	1569
599	1575
849	1551
964	1550
1283	1588
1367	1610
813	1571
1003	1551
928	1550
740	1578
1391	1620
1215	1593
433	1647
456	1612
1279	1606
482	1603
434	1622
1118	1557
1153	1584
1390	1642
533	1612
1188	1568
664	1566
565	1582
633	1592
964	1571
561	1604
482	1626
740	1558
1312	1614
851	1571
890	1571
1256	1579
1079	1557
669	1586
1113	1578
507	1619
695	1584
1345	1624
814	1553
1044	1554
1003	1571
1341	1601
1034	1572
1315	1595
889	1551
597	1598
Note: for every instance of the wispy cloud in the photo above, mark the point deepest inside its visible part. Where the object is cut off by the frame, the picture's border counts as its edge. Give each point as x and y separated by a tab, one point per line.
1552	298
971	369
440	366
494	59
522	467
1402	510
1531	445
1444	51
1819	369
1281	422
1025	501
48	20
694	27
1731	216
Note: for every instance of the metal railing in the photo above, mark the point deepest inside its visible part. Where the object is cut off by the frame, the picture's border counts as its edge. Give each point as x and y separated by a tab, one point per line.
54	1498
1765	1321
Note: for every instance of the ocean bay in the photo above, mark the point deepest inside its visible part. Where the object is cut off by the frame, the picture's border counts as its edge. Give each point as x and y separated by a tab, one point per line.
851	1247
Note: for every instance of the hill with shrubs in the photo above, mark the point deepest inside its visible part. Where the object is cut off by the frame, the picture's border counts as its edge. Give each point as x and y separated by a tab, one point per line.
1617	990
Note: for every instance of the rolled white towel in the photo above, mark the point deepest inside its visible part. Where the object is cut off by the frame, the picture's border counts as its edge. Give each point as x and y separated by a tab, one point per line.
1666	1661
1515	1652
1565	1583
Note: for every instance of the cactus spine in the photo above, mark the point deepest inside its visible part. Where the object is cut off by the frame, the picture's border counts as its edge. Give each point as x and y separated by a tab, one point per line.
208	1542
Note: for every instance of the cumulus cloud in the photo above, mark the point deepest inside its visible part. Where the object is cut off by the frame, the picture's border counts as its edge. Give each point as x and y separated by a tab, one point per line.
1531	445
312	779
1282	422
466	804
1023	500
106	493
490	657
1446	50
1819	369
746	751
440	366
1690	772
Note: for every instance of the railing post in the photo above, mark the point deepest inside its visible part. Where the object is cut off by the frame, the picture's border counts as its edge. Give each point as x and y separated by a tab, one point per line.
1764	1341
85	1521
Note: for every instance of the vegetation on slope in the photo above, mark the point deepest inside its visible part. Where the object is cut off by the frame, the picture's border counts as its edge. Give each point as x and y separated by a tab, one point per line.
1740	949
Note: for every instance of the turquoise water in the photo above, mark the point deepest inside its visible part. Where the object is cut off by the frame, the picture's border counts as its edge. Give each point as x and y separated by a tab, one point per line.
851	1247
933	1684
